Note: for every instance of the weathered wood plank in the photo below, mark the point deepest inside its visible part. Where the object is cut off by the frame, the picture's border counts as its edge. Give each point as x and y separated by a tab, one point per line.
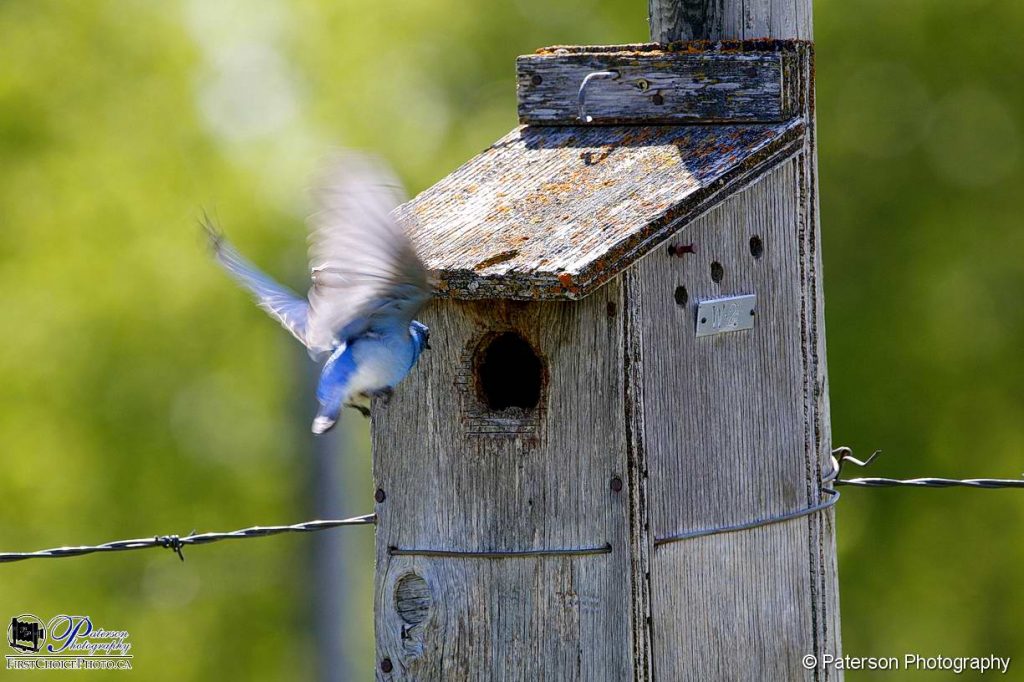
689	47
819	445
675	20
654	87
553	212
545	482
729	438
639	503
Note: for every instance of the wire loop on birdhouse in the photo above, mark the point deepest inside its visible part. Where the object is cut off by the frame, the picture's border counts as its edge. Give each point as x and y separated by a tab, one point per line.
581	97
827	489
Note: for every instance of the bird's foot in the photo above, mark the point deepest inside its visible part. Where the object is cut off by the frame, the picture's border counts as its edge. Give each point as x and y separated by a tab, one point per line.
384	395
363	410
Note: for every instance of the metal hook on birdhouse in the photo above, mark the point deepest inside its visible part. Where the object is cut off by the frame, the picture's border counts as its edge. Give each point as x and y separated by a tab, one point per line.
581	97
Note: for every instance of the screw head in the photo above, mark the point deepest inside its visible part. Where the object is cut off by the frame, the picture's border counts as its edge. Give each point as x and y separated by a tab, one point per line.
535	79
386	665
379	495
616	484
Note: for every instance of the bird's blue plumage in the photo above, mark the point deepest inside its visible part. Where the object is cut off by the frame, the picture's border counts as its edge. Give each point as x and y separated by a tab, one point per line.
368	283
337	371
421	339
369	365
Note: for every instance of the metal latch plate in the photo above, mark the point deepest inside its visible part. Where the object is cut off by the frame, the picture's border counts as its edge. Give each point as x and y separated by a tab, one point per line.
721	315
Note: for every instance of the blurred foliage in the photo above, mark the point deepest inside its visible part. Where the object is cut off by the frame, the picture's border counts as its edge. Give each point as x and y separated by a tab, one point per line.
919	111
141	393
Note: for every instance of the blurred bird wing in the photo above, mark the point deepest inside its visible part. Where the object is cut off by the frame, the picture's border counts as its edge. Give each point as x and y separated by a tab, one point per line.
366	273
279	301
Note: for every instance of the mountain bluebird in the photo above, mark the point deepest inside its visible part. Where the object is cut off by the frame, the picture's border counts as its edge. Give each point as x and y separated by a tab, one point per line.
368	284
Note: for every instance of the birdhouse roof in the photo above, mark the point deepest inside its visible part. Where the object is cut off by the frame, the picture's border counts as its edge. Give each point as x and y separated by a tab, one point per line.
554	212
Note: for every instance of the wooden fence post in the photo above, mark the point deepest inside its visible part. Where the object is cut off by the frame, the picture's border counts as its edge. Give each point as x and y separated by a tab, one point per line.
627	347
747	20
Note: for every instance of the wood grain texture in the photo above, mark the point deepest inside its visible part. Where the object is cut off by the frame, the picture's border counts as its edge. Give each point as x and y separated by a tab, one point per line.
675	20
540	484
554	212
734	431
725	444
655	87
736	427
824	567
702	432
642	545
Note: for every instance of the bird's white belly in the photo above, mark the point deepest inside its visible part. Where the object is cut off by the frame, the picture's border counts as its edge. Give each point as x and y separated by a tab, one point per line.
379	365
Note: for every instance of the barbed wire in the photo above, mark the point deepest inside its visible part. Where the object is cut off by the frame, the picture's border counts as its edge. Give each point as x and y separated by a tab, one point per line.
829	481
845	455
176	543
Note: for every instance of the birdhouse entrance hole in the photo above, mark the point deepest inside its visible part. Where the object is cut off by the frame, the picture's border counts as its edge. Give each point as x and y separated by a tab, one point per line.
508	372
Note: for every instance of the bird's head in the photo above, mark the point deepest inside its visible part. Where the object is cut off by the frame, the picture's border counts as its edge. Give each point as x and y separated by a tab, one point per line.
420	336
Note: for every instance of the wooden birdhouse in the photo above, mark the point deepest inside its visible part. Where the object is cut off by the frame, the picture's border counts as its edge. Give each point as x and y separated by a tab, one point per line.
627	363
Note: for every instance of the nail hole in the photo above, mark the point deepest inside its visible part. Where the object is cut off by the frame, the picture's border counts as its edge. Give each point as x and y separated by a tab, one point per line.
508	372
717	272
756	247
658	99
703	320
681	295
386	665
616	484
536	79
379	495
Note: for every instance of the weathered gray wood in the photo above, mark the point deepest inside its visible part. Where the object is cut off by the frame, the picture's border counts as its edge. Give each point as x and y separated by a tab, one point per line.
673	20
655	86
728	438
642	540
676	20
736	427
701	432
825	569
707	431
553	212
542	483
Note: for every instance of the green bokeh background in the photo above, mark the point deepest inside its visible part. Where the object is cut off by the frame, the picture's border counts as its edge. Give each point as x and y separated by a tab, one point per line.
141	393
